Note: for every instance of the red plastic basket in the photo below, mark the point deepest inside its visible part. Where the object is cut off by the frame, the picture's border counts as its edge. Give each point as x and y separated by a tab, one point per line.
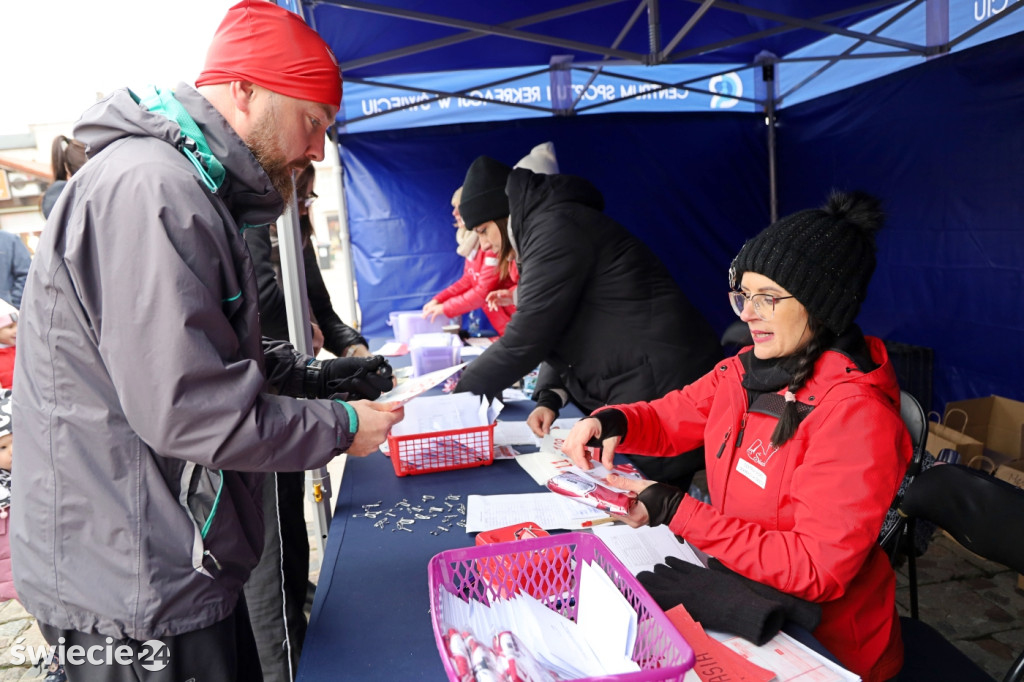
421	453
549	568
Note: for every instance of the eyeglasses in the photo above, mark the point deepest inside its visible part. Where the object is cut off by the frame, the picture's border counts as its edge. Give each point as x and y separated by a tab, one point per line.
764	304
309	199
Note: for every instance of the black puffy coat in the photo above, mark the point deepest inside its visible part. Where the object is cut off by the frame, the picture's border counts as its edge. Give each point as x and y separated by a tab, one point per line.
273	315
594	304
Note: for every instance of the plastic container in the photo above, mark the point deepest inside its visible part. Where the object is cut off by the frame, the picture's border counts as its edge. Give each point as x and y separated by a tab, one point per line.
434	351
549	568
424	453
407	323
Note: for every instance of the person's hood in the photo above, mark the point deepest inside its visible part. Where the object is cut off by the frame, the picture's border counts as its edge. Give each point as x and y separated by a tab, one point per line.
246	190
532	193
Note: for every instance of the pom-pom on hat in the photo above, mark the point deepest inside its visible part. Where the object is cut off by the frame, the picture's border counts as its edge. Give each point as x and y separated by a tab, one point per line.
260	42
824	257
541	159
483	192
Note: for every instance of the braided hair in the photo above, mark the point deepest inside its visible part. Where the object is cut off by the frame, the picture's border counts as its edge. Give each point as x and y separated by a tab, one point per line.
822	338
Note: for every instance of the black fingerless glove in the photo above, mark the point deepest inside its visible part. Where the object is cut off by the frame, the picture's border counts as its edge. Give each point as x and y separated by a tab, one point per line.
350	378
718	601
661	500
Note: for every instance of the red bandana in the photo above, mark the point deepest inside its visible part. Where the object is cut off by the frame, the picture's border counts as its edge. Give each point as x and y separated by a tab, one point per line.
272	47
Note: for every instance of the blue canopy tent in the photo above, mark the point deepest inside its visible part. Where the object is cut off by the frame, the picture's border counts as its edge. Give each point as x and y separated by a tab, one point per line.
701	121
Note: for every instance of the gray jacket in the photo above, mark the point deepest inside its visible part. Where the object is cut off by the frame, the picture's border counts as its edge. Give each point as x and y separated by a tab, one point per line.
145	404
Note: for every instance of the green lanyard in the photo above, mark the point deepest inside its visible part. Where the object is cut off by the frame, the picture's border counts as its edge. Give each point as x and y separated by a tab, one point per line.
194	147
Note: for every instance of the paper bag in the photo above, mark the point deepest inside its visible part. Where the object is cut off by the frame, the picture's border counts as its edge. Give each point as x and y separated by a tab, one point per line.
941	435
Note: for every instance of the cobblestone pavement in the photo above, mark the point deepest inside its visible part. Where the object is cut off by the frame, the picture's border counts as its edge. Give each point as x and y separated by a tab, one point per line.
974	603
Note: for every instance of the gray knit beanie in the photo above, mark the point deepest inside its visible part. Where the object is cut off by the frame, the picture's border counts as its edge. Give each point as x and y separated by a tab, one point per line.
483	192
824	257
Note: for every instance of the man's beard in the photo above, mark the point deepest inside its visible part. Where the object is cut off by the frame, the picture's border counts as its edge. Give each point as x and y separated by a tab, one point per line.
263	143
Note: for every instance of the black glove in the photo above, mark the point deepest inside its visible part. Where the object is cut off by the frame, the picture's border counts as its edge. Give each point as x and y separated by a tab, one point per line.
661	500
349	378
718	601
804	613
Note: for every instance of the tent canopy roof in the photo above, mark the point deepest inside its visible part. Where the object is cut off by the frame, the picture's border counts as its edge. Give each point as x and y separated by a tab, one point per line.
414	52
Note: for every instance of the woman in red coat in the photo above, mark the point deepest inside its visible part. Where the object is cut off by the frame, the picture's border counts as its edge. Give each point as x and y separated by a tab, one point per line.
480	276
805	448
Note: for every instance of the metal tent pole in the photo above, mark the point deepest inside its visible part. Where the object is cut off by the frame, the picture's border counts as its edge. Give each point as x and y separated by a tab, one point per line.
293	275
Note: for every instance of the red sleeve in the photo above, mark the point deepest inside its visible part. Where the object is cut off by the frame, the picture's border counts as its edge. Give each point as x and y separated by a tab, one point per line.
672	424
852	465
484	281
462	284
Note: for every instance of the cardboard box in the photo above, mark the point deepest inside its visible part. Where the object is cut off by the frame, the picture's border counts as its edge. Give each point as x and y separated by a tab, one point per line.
1012	473
996	421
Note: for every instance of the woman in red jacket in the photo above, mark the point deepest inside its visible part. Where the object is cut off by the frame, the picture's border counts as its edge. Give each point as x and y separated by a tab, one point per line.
805	448
480	276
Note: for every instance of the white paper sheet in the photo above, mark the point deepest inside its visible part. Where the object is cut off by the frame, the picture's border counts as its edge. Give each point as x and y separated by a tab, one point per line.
547	510
606	619
414	386
431	414
513	433
640	549
788	659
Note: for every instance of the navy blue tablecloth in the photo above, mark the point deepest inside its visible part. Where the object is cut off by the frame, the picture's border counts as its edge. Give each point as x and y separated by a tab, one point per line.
371	618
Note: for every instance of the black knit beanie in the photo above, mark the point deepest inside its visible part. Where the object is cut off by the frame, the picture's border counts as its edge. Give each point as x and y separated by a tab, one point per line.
824	256
483	192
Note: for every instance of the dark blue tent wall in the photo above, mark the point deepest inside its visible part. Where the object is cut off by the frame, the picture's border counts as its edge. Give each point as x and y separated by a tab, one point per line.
943	145
693	188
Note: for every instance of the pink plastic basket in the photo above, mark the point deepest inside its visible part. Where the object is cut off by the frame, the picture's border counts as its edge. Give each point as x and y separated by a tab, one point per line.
549	568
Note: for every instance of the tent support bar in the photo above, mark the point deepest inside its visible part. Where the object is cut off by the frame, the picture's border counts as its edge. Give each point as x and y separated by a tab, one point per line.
487	29
767	33
687	27
472	35
654	31
293	284
817	26
618	41
849	51
768	73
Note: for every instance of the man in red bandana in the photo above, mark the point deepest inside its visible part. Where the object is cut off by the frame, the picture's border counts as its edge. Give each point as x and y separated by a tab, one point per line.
149	407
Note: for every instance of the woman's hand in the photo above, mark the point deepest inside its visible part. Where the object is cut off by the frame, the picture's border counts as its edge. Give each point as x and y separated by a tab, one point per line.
499	298
540	420
432	309
638	515
318	339
575	444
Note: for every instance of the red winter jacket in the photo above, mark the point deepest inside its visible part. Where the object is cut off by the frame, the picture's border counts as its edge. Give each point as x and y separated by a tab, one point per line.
803	518
469	292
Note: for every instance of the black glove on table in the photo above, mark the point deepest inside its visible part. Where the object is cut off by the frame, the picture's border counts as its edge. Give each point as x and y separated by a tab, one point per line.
352	378
718	601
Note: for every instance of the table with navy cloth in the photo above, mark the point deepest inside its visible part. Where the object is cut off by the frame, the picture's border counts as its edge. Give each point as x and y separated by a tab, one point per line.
371	617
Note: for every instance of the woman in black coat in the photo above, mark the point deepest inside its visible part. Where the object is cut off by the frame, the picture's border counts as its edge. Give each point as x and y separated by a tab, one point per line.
595	307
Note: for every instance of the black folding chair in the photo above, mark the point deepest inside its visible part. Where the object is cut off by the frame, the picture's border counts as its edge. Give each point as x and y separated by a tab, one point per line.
963	502
895	537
